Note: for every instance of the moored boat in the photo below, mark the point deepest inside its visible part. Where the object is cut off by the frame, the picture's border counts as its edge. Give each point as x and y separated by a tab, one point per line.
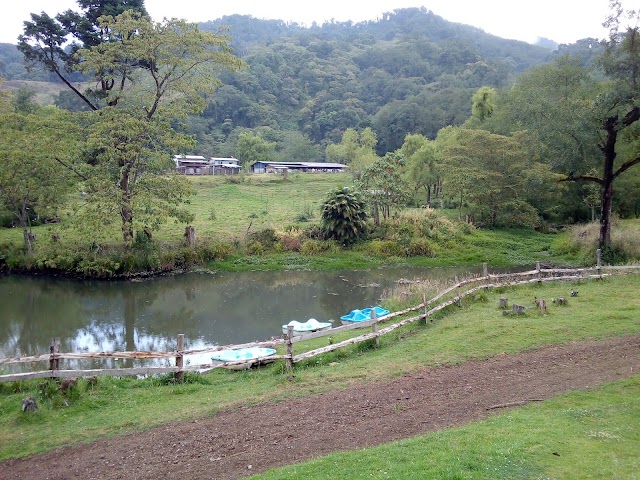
253	356
311	325
363	315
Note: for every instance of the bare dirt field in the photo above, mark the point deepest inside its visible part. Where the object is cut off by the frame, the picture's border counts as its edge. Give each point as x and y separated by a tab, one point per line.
247	440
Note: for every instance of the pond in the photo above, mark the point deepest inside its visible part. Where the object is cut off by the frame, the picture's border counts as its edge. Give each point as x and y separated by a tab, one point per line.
210	309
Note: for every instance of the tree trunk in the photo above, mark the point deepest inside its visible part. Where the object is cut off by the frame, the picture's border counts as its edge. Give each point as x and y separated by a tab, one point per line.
23	221
609	151
27	240
190	235
604	241
126	213
127	223
429	196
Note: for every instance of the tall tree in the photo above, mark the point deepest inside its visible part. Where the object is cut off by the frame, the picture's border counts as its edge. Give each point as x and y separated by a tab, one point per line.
383	186
253	148
44	39
586	124
483	103
160	72
356	149
422	164
33	183
493	173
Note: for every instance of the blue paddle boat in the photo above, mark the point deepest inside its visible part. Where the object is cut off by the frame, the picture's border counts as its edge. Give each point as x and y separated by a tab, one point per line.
363	315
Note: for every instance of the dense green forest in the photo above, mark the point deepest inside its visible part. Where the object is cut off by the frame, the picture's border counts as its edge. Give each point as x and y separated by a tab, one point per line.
424	112
409	72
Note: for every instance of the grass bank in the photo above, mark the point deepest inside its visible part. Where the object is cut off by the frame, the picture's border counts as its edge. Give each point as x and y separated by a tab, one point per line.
474	330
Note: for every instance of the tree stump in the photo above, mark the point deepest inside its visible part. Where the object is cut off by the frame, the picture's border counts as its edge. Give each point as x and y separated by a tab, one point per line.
518	309
29	404
503	302
67	385
190	235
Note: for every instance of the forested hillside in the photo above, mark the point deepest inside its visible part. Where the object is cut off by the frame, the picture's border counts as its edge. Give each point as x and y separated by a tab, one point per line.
409	72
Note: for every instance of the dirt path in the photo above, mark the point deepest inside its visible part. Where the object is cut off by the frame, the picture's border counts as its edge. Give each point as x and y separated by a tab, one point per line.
270	435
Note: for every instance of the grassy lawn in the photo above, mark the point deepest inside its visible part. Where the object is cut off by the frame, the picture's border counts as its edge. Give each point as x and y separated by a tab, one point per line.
115	406
230	210
227	211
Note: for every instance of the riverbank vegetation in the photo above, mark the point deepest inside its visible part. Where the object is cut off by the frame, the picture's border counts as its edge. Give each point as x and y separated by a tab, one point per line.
261	222
90	410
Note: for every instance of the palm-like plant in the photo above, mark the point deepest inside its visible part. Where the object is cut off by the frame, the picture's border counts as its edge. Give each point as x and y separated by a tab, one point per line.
344	215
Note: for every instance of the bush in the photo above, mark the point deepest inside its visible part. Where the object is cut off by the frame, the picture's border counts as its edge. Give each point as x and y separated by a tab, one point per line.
317	247
384	248
421	247
291	243
266	237
215	251
313	232
344	216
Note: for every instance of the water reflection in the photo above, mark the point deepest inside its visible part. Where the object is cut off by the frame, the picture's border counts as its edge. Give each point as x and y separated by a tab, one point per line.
210	310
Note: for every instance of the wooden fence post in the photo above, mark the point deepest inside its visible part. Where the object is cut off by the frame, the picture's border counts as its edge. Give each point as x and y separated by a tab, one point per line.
424	302
539	272
289	340
599	262
485	274
374	326
54	362
179	358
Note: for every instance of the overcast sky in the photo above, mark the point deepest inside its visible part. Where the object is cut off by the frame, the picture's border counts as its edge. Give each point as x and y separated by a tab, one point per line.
563	21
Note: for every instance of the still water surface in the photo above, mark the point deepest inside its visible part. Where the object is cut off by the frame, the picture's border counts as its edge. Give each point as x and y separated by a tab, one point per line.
210	309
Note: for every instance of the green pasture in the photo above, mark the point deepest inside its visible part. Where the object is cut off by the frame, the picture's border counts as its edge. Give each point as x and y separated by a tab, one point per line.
232	211
226	207
474	330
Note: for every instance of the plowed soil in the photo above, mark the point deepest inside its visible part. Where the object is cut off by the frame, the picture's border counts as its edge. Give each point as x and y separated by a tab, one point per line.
244	441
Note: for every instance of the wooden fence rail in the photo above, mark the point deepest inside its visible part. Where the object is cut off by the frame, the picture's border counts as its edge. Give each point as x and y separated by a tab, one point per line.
471	286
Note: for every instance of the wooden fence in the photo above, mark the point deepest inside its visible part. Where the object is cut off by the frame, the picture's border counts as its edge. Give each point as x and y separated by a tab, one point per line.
444	299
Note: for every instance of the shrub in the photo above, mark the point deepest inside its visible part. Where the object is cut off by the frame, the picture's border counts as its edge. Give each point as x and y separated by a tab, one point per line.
384	248
255	248
306	215
215	251
291	243
266	237
313	232
316	247
421	247
344	216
